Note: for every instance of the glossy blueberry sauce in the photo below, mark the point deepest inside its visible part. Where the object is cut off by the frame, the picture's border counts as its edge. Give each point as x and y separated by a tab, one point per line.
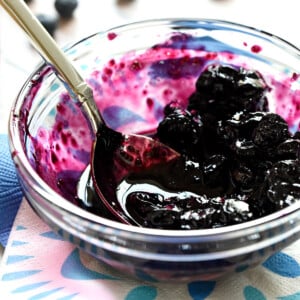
132	93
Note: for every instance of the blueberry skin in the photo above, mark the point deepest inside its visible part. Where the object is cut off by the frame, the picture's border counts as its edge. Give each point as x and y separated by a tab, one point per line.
223	90
65	8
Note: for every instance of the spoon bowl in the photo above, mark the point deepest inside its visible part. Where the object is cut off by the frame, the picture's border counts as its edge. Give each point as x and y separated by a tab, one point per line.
116	156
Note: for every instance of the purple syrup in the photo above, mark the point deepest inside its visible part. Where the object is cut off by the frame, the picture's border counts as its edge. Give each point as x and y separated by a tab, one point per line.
111	36
256	48
176	68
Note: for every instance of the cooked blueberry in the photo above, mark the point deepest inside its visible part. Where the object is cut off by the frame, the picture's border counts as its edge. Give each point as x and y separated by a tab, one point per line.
181	130
244	148
289	149
199	218
239	128
256	135
192	172
285	170
283	195
258	201
261	168
236	211
245	122
271	131
243	177
65	8
216	172
283	183
225	90
183	211
227	133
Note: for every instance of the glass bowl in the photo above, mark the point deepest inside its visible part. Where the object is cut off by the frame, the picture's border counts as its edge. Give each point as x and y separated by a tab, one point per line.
51	141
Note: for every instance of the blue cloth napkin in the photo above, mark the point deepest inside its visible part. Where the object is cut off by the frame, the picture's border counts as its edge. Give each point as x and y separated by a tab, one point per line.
10	191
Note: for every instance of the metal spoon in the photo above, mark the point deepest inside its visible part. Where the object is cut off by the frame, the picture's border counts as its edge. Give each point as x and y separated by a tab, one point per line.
114	155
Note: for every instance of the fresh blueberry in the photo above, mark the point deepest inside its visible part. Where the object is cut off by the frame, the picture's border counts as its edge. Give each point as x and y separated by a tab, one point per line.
65	8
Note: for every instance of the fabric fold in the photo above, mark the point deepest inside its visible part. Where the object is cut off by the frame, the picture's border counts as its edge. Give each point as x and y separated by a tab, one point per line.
10	190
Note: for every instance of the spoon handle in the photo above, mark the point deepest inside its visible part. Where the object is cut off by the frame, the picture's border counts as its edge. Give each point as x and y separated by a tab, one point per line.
54	56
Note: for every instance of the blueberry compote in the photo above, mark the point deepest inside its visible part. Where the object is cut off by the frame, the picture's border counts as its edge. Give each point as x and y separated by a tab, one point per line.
238	161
